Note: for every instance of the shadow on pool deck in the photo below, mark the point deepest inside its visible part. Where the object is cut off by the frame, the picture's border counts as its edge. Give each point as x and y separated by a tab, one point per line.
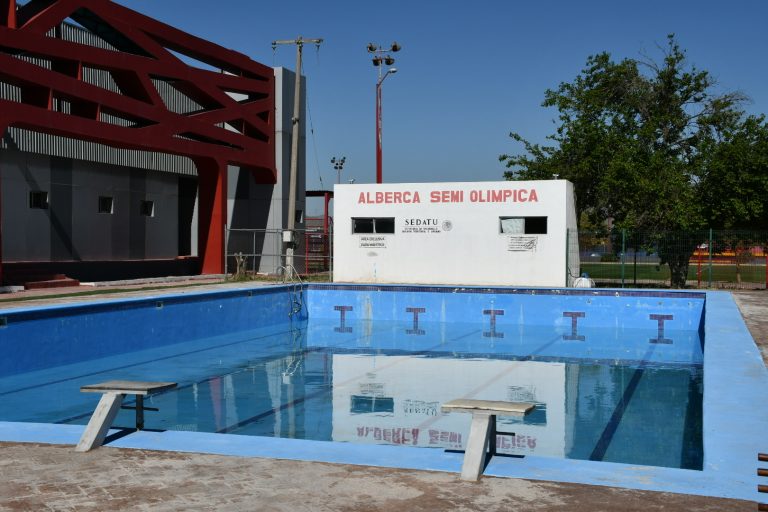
54	477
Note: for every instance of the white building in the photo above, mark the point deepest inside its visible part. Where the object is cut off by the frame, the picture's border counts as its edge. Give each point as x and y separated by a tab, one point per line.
514	233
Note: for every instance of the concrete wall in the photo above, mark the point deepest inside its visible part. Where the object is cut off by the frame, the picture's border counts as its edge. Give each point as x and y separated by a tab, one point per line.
264	207
450	233
71	228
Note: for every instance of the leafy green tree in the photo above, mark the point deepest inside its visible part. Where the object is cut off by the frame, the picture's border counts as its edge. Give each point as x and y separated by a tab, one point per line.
734	179
649	145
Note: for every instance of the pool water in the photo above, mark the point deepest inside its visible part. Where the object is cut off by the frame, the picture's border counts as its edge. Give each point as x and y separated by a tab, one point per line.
383	382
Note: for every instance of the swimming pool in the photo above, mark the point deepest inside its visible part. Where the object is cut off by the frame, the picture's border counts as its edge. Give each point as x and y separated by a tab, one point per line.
618	376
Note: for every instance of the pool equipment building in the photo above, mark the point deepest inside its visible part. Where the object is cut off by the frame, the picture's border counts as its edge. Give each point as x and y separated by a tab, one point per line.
516	233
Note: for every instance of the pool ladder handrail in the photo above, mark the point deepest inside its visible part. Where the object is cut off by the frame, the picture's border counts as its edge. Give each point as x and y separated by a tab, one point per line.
296	356
297	292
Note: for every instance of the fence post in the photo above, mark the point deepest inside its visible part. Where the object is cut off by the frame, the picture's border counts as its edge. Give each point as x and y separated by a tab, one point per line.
226	246
710	258
698	267
623	253
254	252
330	252
567	239
635	244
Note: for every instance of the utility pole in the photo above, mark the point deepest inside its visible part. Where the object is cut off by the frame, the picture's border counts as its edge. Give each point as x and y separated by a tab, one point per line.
289	235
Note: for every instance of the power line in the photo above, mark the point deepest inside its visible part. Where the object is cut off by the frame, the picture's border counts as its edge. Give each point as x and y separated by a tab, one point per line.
314	141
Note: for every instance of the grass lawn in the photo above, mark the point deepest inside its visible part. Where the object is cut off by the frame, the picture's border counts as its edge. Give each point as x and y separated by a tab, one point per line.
652	272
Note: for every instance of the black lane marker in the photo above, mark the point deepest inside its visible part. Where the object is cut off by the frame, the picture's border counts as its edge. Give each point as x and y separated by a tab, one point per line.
618	413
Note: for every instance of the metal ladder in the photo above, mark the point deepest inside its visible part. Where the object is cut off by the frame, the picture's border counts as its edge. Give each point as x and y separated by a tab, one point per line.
296	290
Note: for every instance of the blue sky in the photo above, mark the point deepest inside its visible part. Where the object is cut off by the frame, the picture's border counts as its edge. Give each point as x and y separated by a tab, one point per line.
468	73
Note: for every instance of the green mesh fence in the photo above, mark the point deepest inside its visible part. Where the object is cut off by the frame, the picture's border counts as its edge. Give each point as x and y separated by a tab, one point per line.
691	259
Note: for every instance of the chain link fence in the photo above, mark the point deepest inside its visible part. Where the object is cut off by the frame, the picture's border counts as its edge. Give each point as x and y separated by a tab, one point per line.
691	259
254	253
716	259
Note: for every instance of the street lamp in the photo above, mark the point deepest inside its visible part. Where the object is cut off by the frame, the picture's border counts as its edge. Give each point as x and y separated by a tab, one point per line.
381	58
338	165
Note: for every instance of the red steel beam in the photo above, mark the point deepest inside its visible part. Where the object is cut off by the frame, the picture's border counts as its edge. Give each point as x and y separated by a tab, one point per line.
8	13
148	53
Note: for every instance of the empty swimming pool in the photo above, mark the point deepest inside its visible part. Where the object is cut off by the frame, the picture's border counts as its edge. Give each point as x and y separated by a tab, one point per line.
617	376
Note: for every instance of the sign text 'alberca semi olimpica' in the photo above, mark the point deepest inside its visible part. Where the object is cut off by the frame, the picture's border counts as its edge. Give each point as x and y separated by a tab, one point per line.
506	195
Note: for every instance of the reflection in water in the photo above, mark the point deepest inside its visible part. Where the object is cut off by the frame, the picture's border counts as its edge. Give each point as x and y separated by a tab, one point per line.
608	398
584	411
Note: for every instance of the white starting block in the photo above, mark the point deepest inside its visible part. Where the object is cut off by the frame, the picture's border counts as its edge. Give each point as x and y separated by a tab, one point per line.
482	433
113	393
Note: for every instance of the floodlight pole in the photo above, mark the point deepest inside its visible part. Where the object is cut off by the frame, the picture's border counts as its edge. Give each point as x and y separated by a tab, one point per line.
379	172
381	57
289	235
338	166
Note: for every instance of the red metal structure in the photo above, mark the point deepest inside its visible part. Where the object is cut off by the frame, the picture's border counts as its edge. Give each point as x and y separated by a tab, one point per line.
317	245
144	49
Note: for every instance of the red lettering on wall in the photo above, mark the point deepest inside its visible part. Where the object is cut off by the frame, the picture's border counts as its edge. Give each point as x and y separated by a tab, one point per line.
446	196
450	196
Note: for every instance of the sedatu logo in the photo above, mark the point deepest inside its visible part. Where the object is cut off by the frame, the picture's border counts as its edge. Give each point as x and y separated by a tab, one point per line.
421	222
421	225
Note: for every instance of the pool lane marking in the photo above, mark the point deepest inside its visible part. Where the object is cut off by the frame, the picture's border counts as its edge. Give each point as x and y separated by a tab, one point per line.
493	333
59	381
660	336
415	330
342	318
601	447
422	425
325	390
574	316
183	386
430	421
188	385
265	358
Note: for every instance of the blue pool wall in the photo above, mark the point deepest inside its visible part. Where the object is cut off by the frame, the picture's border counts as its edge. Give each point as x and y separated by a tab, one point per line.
35	339
620	309
39	338
560	324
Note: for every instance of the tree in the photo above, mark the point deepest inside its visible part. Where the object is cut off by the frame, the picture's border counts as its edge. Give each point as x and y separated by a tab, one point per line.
647	144
734	179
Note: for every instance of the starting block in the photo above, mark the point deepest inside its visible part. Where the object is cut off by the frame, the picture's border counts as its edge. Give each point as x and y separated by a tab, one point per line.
112	398
482	433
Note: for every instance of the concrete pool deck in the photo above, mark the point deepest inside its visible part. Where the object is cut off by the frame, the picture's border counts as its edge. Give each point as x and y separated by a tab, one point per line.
53	476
